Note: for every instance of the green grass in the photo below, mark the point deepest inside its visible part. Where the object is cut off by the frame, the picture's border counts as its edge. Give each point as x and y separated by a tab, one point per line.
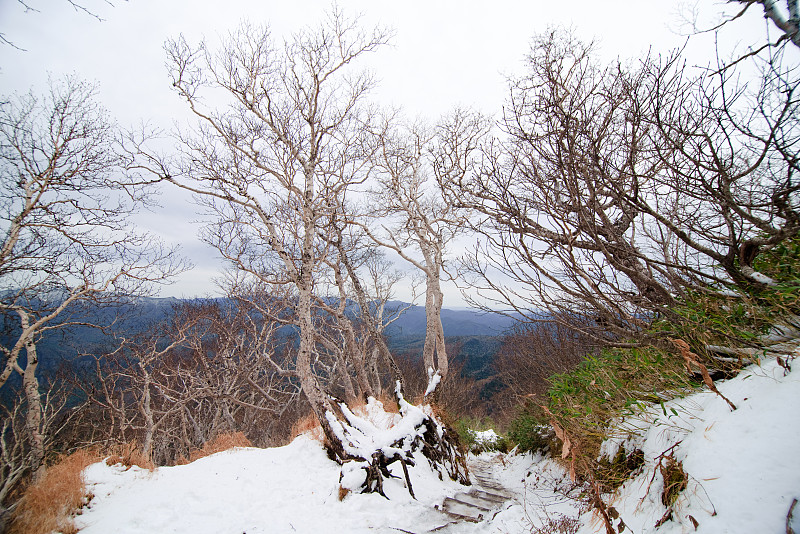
531	431
604	387
614	383
617	383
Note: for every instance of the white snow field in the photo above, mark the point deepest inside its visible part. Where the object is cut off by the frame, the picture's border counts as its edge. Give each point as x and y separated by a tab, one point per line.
743	472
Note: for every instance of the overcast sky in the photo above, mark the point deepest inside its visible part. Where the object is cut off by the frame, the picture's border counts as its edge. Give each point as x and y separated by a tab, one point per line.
444	54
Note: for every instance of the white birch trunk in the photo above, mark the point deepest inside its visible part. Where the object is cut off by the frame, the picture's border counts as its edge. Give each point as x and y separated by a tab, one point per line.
33	416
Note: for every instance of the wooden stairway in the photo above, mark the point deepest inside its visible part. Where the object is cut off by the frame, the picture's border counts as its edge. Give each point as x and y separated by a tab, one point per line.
481	501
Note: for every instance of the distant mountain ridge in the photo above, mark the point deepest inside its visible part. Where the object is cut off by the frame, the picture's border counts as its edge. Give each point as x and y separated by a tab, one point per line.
406	331
455	322
460	322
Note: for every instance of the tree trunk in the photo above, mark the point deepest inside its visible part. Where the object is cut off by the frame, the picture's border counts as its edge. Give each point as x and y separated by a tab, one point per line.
374	373
359	361
434	354
369	321
317	398
429	348
147	412
33	417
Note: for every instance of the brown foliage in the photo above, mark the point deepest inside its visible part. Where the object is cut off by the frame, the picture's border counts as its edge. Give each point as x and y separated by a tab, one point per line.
692	359
221	442
129	454
49	504
307	424
531	353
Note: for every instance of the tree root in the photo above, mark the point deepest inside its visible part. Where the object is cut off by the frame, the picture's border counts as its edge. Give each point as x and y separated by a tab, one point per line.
427	435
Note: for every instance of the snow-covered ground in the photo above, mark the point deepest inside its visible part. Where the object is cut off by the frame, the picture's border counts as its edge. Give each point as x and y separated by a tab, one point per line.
743	469
284	489
743	466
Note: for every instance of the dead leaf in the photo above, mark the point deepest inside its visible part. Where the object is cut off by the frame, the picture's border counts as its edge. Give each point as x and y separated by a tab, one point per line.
689	359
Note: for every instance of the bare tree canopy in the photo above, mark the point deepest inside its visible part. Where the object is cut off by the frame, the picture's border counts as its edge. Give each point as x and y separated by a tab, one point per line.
285	138
67	197
420	223
621	189
785	18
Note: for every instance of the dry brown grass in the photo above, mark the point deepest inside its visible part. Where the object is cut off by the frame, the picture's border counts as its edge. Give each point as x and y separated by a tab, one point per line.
129	454
50	504
359	407
222	442
309	425
389	403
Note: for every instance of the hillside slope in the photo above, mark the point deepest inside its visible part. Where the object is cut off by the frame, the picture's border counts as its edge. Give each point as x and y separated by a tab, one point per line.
742	475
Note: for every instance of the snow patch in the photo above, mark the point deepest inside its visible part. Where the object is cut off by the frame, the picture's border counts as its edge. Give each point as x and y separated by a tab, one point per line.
290	489
433	380
742	466
485	437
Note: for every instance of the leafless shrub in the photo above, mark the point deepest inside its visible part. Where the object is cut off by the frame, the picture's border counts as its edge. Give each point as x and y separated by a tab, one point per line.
459	396
213	368
533	352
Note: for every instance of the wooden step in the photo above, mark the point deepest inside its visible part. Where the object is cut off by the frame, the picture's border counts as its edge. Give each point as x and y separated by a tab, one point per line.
489	496
494	489
462	510
474	500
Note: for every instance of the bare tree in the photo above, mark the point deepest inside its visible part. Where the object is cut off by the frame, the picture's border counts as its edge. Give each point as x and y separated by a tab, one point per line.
785	18
15	447
412	161
532	353
377	314
623	189
356	253
273	168
66	201
210	368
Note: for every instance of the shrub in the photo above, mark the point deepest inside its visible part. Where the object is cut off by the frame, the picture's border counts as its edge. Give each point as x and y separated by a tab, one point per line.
558	524
531	431
614	383
675	479
309	425
129	454
740	318
478	436
50	504
612	473
463	428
